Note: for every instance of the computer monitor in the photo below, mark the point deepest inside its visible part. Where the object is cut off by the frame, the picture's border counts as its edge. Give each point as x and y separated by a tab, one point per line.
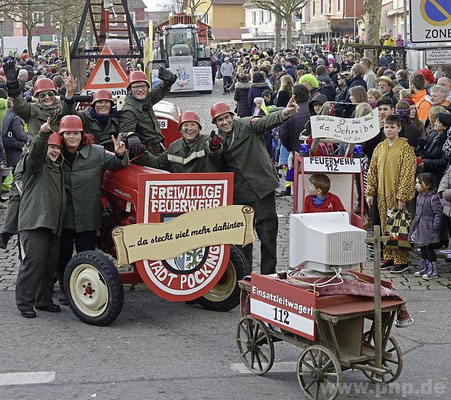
323	241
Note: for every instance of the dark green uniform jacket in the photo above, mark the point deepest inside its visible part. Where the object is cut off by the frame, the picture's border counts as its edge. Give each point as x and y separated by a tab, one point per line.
33	115
43	197
186	157
245	154
139	117
83	187
92	125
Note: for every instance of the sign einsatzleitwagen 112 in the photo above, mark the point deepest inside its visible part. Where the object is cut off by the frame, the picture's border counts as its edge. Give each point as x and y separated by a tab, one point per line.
348	130
200	228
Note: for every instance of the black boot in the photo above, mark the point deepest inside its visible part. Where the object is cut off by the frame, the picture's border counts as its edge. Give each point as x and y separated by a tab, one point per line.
62	297
4	239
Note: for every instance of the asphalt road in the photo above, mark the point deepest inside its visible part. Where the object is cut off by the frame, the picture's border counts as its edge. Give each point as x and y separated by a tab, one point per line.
159	350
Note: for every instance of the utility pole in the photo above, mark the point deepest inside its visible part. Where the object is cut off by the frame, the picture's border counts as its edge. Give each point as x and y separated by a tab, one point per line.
2	19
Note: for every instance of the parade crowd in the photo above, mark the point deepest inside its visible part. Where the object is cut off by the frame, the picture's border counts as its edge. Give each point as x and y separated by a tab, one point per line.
58	152
405	167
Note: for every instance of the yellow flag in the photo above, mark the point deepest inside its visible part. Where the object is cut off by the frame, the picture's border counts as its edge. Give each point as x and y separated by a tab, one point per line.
66	50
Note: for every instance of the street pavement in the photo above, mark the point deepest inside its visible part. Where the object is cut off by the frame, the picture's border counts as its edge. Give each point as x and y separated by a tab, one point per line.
161	350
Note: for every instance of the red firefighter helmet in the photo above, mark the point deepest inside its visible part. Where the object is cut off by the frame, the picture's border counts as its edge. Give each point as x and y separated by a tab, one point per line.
43	85
70	123
218	109
189	116
102	94
137	76
55	139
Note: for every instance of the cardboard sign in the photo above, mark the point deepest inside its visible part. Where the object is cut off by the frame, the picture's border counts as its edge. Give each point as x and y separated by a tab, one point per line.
107	74
182	66
203	79
193	273
332	164
347	130
283	305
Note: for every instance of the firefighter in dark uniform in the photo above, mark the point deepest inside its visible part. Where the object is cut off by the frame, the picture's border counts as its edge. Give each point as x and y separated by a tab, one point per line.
41	213
34	114
244	153
137	119
193	152
100	120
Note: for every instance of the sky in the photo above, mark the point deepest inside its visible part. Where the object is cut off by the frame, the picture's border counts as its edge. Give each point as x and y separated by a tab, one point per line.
155	5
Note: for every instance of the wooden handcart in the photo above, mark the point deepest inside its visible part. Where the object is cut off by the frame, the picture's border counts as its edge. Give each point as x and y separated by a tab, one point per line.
332	334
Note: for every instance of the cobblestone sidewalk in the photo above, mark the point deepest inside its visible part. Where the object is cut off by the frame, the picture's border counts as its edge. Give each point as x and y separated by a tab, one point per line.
9	260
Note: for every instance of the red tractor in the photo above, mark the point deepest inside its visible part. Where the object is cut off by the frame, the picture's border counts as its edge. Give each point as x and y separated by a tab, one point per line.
135	194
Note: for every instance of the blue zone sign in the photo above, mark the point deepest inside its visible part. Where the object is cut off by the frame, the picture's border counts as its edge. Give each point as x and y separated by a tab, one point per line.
430	21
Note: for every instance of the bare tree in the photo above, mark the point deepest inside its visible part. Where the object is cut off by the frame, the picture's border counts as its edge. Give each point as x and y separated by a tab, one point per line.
283	9
31	13
176	6
28	12
68	14
372	26
193	5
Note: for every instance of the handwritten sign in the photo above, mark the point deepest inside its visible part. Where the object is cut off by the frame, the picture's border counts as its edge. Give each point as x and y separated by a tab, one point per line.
347	130
332	164
200	228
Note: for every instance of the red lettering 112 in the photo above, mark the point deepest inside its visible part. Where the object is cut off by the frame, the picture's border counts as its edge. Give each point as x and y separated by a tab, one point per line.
281	315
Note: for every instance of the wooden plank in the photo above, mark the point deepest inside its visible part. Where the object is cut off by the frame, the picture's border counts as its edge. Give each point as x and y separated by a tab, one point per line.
359	307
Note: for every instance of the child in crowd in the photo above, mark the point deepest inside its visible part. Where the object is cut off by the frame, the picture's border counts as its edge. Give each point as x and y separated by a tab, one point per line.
425	228
319	198
373	96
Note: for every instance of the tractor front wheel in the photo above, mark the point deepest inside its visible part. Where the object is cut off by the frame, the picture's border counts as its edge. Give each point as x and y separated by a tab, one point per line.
94	288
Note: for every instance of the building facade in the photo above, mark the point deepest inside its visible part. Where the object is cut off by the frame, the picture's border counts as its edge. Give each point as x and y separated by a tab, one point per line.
333	18
226	18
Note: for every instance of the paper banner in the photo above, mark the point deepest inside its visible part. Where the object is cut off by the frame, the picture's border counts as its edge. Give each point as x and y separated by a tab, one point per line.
348	130
200	228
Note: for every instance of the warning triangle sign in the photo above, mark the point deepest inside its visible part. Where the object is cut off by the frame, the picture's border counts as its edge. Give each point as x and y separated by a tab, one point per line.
107	74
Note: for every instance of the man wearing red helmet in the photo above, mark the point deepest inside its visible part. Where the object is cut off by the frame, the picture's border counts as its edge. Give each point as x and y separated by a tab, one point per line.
244	154
193	152
101	120
43	187
137	116
34	114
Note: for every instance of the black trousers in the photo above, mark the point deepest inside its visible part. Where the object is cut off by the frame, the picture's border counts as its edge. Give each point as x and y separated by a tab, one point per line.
428	252
34	285
266	225
227	82
83	241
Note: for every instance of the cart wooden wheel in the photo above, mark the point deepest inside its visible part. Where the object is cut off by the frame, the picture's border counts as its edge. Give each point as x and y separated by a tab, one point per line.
391	358
255	345
319	373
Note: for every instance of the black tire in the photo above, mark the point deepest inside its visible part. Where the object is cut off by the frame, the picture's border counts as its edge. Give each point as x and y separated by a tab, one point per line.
225	295
94	288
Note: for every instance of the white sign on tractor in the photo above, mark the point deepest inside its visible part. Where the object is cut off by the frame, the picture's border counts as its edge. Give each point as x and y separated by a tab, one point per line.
430	21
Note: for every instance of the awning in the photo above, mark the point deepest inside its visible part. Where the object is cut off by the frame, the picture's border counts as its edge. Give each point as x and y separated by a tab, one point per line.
334	25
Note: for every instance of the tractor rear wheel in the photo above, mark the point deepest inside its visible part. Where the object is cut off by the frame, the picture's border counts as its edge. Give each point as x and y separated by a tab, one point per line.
225	295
